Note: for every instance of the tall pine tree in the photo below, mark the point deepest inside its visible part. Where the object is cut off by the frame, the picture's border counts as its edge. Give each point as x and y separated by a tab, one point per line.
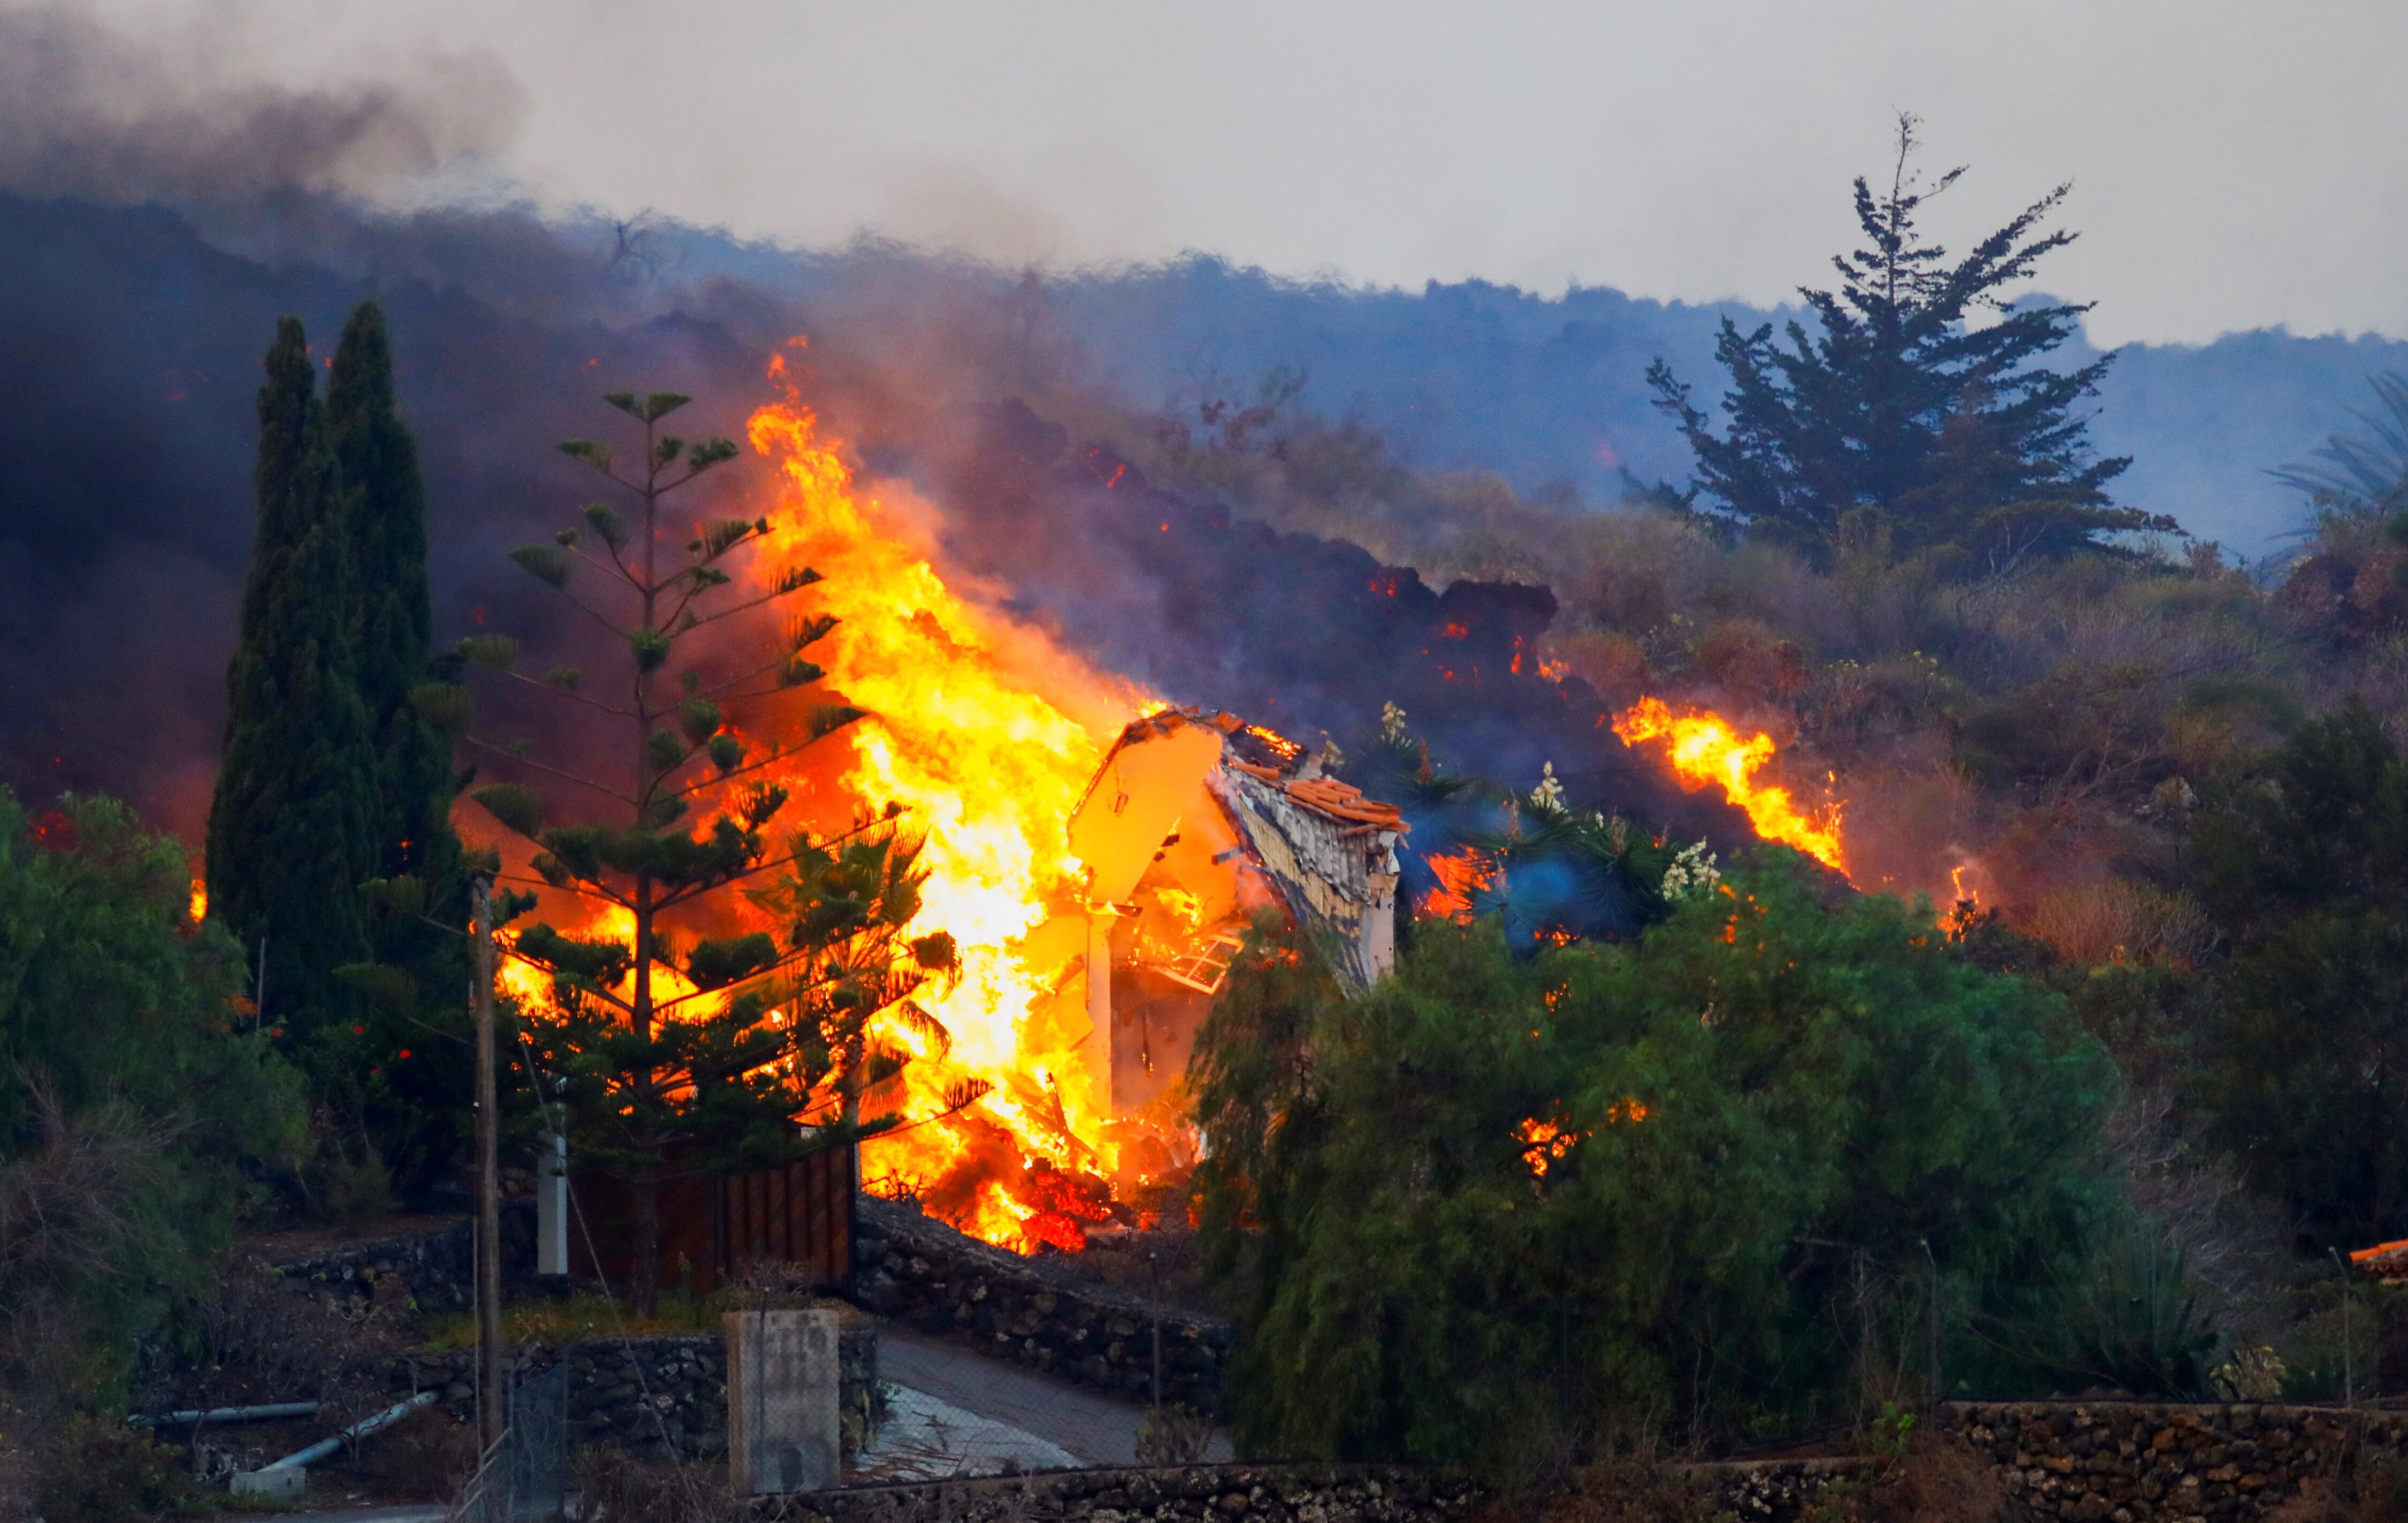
405	1089
292	826
1901	415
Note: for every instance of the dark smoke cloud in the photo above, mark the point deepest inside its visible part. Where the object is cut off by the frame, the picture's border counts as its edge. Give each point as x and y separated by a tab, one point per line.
85	111
154	230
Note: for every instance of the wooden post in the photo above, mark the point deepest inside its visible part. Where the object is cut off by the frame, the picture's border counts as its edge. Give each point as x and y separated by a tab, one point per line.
490	1410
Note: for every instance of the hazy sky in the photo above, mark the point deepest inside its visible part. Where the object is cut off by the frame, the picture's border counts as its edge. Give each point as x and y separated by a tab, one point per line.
2235	164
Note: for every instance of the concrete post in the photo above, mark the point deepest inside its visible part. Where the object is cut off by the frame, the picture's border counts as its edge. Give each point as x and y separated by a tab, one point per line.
1100	1004
552	1204
782	1376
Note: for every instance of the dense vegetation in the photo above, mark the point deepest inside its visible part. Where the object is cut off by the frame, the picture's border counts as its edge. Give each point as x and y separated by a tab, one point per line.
1703	1185
139	1107
330	778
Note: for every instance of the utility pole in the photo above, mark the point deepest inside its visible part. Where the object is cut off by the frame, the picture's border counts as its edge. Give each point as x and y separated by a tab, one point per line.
490	1413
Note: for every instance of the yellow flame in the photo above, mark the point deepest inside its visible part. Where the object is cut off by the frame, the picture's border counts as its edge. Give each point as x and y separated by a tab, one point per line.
1703	748
990	770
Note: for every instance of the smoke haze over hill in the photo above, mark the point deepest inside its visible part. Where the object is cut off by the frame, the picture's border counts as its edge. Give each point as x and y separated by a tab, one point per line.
159	217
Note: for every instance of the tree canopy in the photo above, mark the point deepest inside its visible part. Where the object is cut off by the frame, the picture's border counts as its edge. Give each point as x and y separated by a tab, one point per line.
687	1042
1918	407
2306	873
292	826
404	1071
1683	1188
135	1106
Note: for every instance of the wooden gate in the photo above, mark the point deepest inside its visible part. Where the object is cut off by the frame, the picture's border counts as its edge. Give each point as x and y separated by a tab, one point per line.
799	1216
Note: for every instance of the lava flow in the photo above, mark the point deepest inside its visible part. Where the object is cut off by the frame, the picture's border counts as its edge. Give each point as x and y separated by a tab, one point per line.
1703	748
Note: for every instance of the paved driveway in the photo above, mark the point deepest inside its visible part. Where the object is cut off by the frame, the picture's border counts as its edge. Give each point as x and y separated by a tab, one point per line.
1094	1428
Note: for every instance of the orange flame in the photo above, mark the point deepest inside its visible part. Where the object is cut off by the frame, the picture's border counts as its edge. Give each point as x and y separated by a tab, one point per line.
1964	903
1462	876
986	735
1704	748
1544	1142
990	769
198	906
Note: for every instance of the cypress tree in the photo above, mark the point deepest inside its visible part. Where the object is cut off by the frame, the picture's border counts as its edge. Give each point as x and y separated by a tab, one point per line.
377	461
405	1089
291	833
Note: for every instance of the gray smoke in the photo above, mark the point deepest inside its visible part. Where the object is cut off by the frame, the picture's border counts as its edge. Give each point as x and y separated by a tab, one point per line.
88	111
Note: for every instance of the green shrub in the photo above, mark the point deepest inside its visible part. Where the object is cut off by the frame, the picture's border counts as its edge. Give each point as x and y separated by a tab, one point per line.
1511	1211
97	1470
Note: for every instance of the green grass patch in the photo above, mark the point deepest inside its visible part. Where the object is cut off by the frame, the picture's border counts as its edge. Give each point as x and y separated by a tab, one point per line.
593	1315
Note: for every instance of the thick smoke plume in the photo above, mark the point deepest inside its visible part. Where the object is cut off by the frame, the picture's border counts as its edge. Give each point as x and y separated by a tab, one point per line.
89	111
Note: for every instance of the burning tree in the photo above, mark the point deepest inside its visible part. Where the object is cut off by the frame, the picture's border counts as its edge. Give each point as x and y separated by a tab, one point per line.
680	1052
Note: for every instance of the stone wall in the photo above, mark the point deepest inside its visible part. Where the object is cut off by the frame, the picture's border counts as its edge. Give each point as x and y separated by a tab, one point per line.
2130	1462
439	1267
2105	1462
439	1264
1271	1493
647	1394
927	1275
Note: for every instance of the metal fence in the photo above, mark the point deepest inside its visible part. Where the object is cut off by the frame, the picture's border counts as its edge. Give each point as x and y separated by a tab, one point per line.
525	1475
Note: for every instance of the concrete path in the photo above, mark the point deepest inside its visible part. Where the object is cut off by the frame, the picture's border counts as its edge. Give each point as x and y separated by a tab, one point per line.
924	1439
1094	1428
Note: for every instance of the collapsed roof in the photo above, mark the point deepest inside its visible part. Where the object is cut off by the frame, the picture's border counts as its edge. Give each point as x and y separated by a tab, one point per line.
1329	852
1213	812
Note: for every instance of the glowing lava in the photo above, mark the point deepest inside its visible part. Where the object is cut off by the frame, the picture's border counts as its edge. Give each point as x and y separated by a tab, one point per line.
1704	748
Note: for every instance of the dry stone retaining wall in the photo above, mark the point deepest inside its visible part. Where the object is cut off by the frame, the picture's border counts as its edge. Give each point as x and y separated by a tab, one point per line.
2132	1462
439	1267
924	1274
1270	1493
645	1394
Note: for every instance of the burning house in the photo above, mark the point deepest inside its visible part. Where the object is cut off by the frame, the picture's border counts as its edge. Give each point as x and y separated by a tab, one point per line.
1194	822
1193	825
